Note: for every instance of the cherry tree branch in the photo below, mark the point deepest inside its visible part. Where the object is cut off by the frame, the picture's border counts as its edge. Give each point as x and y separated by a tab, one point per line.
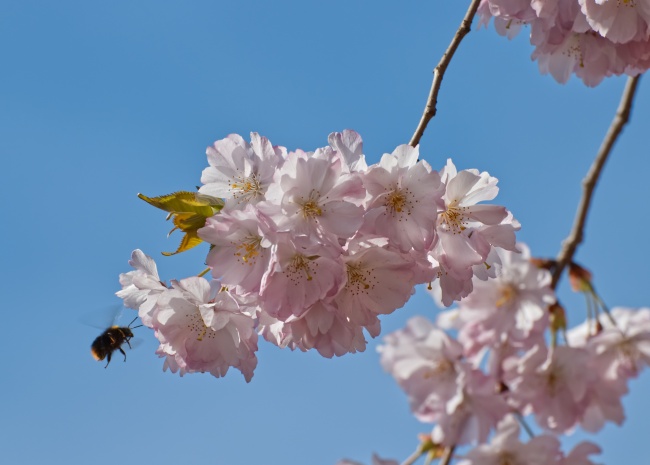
439	72
570	244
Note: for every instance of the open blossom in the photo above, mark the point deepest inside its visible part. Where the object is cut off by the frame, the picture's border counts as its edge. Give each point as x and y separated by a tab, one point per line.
512	308
563	388
312	195
472	413
379	281
240	172
620	21
592	39
142	287
426	363
299	274
204	330
505	448
579	455
468	232
623	350
349	145
320	327
404	194
242	246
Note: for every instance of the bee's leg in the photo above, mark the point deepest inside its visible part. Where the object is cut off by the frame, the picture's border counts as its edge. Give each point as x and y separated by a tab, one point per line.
123	353
127	341
108	359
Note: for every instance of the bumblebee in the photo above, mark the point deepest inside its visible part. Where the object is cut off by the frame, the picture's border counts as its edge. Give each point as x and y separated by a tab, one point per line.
111	340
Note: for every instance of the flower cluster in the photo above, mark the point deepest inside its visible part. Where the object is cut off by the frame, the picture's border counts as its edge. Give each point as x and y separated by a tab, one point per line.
591	38
308	249
500	364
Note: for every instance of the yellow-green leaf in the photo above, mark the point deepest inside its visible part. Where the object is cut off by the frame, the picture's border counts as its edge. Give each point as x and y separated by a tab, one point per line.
188	211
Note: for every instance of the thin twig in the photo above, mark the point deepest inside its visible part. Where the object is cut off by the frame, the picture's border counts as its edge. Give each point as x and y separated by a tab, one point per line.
522	420
446	457
570	244
413	457
439	72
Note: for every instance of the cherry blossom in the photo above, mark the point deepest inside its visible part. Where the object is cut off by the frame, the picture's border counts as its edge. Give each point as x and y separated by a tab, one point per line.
404	194
511	307
241	172
142	287
544	386
426	363
312	195
205	330
472	413
242	246
299	274
320	327
506	448
622	350
592	39
379	281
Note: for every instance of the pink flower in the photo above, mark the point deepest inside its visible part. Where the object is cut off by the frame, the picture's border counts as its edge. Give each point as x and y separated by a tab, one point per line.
142	287
312	195
299	274
471	414
321	327
552	384
204	330
512	308
404	194
506	448
622	350
579	454
620	21
592	39
349	146
462	242
241	251
379	281
241	172
426	363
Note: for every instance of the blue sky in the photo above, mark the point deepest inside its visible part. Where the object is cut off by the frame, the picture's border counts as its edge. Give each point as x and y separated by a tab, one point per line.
102	100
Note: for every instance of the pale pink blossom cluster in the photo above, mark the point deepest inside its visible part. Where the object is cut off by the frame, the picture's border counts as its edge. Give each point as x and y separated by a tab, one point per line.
312	247
591	38
499	364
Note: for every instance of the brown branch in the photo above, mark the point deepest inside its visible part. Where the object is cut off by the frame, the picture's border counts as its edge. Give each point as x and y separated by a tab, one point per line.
570	244
439	72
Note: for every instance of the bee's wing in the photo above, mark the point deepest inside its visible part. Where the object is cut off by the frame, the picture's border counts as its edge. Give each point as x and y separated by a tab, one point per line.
104	317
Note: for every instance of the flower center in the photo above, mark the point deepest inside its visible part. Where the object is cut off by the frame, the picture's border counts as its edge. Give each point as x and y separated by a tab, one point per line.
246	187
197	326
310	208
440	367
300	266
247	250
358	279
454	219
508	294
398	201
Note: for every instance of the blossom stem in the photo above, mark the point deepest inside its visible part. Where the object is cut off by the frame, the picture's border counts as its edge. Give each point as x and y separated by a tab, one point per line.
204	272
570	244
446	456
410	460
524	424
439	72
